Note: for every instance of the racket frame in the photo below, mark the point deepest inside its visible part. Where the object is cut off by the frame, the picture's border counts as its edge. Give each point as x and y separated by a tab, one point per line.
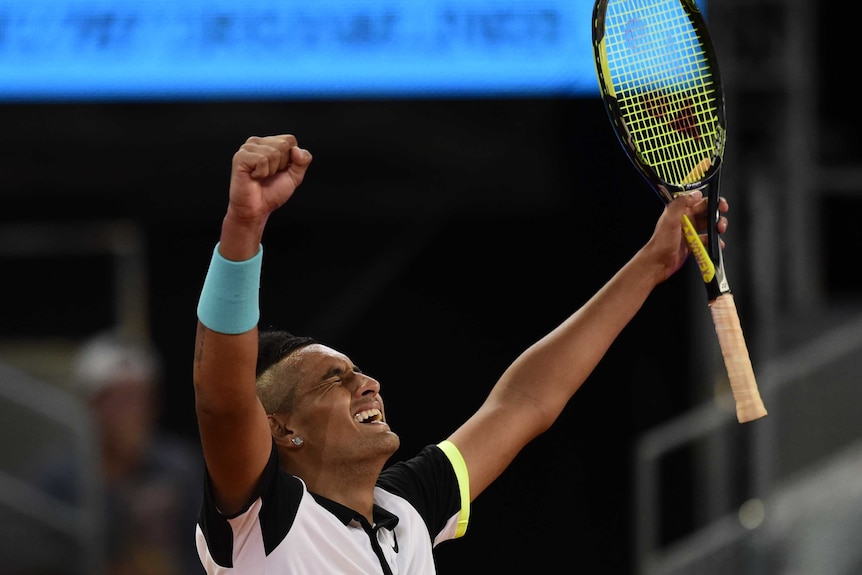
704	177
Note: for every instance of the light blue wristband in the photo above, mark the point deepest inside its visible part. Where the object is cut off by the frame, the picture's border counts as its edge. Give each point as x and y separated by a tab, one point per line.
230	299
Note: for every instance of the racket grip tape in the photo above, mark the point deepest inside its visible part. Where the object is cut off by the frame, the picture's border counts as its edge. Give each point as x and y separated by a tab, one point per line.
749	405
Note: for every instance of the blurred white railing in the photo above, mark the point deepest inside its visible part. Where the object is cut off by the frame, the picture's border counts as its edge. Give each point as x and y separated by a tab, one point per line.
750	486
38	531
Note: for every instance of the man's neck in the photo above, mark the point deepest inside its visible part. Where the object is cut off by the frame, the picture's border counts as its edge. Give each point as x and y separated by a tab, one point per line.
351	484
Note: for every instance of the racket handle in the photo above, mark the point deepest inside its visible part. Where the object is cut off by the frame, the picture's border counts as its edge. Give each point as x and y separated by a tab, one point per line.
704	262
749	405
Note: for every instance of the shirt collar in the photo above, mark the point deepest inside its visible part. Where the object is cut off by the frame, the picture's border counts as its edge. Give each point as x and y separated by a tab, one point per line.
382	517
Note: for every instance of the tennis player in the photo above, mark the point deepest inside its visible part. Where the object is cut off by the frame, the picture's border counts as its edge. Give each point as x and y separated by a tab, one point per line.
295	436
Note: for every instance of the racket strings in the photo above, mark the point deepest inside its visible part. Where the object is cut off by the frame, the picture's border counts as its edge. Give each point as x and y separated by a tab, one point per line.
664	85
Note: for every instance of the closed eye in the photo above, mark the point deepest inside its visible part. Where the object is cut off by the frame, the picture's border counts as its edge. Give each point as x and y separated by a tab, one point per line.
327	384
336	376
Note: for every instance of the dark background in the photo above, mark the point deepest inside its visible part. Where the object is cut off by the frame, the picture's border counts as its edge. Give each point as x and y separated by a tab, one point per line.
432	241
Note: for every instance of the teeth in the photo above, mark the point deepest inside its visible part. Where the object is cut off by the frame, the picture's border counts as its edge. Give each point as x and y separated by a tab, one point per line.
368	415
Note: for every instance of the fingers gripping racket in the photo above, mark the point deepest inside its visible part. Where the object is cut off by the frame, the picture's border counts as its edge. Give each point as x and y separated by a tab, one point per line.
660	85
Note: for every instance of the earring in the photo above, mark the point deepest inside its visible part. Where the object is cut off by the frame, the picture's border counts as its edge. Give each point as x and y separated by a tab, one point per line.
297	441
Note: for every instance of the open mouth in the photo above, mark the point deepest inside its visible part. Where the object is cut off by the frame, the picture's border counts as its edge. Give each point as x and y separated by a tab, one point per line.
368	416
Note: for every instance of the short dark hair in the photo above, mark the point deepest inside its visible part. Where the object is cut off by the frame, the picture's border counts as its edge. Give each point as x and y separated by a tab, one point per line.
276	344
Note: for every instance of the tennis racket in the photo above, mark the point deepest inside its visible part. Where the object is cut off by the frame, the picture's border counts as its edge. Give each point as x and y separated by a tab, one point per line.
661	87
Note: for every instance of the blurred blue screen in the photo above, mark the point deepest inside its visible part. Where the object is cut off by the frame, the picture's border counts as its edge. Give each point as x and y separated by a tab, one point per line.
95	50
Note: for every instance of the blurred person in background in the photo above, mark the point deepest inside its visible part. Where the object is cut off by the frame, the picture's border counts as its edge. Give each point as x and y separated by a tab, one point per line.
151	479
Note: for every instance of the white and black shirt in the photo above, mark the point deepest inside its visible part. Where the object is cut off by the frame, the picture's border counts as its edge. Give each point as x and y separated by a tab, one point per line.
286	529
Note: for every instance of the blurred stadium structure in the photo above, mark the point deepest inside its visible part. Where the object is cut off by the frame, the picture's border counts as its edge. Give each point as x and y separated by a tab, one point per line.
41	533
780	495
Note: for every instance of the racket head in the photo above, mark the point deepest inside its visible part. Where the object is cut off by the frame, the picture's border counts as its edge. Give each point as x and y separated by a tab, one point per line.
660	85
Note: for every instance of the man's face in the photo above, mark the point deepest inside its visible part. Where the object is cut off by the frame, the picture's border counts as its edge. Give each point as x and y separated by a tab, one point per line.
338	411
